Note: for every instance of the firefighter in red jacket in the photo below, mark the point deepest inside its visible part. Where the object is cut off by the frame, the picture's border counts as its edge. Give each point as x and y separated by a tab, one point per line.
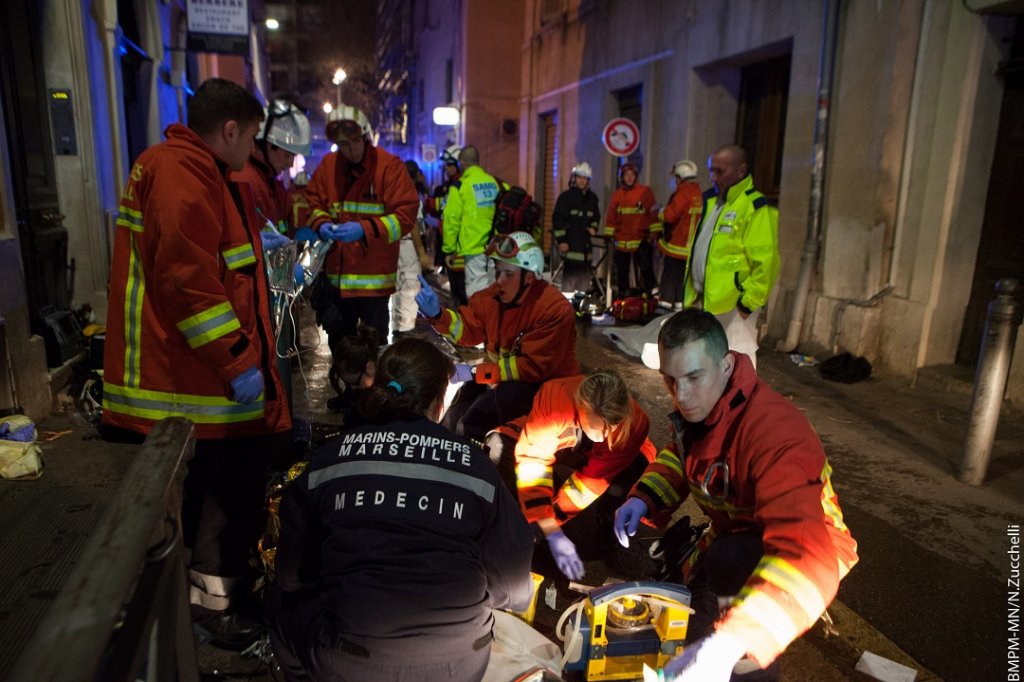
777	546
631	223
528	330
363	198
283	134
188	335
594	417
680	219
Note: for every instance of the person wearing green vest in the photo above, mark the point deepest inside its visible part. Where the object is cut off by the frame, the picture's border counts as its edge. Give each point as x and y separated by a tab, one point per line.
734	261
468	215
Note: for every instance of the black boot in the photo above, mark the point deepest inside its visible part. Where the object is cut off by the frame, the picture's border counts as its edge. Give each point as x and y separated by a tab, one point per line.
229	629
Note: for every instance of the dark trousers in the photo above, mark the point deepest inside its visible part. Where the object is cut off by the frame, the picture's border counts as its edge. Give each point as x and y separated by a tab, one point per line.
672	272
341	316
721	571
308	647
457	285
479	408
575	276
224	505
643	260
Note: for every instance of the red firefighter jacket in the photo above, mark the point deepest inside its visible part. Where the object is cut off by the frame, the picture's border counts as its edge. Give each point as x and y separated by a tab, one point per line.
778	481
268	192
629	220
531	340
553	425
680	219
298	209
188	307
380	195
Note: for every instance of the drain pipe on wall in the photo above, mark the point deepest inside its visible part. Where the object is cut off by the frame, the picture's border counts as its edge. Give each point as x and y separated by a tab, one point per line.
812	245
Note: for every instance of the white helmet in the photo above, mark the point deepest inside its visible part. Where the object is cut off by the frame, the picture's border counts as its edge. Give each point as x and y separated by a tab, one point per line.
346	114
285	126
519	249
451	155
582	169
684	169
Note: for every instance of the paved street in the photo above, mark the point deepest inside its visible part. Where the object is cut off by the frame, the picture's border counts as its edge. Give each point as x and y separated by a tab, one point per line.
929	590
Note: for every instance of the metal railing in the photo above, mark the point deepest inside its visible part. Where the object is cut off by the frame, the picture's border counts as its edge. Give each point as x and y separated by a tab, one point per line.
122	613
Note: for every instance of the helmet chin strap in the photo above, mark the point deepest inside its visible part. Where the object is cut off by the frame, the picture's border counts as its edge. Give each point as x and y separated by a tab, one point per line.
522	285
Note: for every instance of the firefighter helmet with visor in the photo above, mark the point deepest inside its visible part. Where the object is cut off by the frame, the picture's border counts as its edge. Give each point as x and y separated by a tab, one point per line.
285	126
519	249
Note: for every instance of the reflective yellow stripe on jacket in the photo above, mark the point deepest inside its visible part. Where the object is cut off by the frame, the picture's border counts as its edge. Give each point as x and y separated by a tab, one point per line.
134	295
508	368
363	282
130	218
209	325
157	405
239	256
456	328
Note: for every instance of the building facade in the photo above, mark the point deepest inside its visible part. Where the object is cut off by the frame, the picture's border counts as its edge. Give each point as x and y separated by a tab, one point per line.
85	86
916	222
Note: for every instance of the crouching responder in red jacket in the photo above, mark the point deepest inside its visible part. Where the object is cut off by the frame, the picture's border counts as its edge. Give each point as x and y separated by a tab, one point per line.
594	418
777	546
528	330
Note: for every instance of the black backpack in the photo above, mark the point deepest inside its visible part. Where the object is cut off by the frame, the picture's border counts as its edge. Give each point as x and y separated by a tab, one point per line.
515	211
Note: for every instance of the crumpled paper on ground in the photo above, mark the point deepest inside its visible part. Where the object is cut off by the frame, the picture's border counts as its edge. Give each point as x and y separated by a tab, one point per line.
884	669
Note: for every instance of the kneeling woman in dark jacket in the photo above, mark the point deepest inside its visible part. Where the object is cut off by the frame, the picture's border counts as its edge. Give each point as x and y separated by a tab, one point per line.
397	542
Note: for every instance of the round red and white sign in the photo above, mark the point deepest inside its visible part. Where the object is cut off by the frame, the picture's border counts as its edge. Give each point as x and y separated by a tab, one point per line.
621	137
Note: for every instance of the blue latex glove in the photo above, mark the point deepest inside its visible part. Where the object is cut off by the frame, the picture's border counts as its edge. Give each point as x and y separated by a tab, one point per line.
427	299
273	239
305	234
247	386
566	558
300	275
710	659
627	518
431	221
345	232
327	232
462	374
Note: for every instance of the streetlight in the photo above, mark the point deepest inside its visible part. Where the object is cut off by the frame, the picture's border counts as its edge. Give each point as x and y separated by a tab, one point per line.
328	107
339	77
272	24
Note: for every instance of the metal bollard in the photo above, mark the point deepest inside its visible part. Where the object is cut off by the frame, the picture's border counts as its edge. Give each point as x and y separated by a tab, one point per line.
1004	316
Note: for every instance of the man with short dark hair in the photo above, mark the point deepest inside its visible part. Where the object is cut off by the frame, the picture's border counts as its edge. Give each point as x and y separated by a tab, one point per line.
777	546
189	335
734	261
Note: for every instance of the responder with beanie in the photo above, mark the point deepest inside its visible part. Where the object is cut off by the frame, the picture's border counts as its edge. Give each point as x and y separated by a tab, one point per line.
527	328
362	198
574	221
631	224
397	542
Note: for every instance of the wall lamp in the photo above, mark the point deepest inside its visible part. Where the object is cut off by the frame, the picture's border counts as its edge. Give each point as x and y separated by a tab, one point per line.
446	116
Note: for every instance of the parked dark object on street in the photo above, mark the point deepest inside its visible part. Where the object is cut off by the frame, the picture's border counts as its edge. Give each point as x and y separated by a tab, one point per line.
845	368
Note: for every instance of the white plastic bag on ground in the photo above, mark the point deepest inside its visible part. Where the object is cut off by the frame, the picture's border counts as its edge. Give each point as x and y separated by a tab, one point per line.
518	648
639	342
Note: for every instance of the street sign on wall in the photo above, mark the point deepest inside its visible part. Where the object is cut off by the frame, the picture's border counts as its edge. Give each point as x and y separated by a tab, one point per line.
218	26
428	152
621	137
